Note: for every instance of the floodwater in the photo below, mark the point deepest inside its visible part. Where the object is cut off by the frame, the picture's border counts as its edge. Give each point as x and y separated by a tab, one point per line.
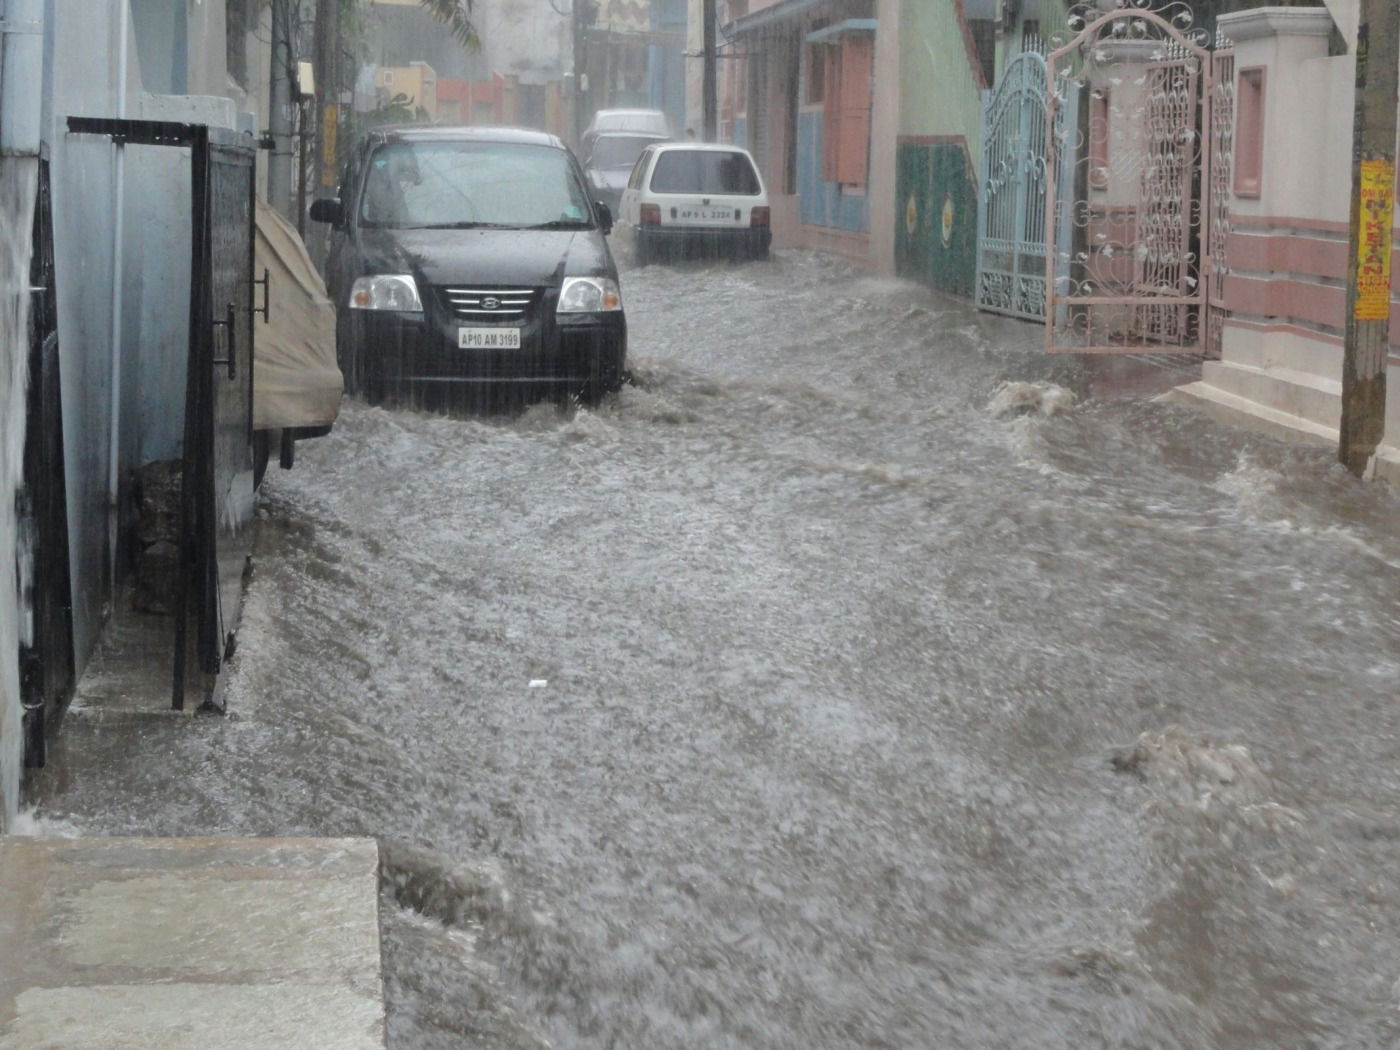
857	678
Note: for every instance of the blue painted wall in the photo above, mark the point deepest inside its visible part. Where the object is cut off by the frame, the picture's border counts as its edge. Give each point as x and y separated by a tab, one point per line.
822	203
666	64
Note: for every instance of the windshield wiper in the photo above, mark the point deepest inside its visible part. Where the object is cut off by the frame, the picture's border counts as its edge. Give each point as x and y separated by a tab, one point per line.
469	225
561	224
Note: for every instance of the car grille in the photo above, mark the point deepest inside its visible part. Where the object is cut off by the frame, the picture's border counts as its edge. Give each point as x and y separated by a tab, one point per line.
484	305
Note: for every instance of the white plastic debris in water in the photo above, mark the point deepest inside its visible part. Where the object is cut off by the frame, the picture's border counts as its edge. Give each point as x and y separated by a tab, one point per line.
538	683
1046	399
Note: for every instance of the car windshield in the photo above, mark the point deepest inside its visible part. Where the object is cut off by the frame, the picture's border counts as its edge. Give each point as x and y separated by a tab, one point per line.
618	151
465	184
705	171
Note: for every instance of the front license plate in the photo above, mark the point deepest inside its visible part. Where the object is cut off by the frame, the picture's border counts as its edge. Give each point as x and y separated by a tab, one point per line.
488	338
707	214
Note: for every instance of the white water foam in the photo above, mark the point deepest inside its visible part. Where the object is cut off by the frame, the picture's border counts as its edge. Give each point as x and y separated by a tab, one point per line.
28	822
1018	398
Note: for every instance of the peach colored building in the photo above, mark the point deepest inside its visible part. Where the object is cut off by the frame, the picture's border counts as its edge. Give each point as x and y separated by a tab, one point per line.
1285	290
860	114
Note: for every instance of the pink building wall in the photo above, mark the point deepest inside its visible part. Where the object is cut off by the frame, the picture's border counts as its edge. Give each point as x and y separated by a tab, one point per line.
1287	254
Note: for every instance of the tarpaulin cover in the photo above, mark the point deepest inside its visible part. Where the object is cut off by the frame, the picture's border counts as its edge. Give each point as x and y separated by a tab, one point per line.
296	382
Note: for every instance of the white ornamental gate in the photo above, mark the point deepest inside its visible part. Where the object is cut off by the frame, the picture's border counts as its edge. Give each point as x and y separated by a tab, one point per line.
1137	182
1011	204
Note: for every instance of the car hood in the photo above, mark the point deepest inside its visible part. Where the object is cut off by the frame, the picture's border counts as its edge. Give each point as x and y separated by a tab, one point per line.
529	258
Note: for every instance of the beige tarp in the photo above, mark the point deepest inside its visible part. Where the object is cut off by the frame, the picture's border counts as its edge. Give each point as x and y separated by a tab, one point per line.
296	382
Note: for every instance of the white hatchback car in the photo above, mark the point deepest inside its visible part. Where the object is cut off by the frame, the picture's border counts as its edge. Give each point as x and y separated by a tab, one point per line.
691	196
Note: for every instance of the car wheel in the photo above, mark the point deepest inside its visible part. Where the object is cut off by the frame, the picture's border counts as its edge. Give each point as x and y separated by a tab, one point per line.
642	252
605	377
373	385
262	453
346	357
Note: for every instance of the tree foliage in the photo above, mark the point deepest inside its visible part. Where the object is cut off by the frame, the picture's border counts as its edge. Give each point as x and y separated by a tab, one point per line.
401	109
456	16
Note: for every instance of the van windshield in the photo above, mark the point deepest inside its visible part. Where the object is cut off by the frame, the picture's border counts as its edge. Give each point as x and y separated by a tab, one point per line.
464	184
705	171
618	151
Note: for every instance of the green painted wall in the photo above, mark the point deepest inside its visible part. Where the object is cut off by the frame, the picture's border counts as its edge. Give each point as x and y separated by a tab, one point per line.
936	228
940	129
938	86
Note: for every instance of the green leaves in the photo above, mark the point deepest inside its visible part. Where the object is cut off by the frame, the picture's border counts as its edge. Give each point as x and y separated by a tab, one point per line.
455	15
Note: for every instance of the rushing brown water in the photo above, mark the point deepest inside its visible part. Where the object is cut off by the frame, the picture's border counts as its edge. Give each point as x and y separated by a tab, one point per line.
821	690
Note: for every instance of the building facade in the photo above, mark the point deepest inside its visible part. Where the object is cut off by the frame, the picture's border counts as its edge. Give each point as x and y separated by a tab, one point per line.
120	243
864	116
1286	259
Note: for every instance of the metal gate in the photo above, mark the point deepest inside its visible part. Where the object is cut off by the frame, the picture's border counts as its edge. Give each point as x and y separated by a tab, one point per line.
217	492
217	489
1011	213
46	663
1137	183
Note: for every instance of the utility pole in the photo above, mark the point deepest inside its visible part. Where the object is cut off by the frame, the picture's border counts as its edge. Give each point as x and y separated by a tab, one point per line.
585	16
1372	208
279	121
708	86
327	44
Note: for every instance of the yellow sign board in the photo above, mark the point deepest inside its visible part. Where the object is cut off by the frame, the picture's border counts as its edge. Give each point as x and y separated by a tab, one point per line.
1374	247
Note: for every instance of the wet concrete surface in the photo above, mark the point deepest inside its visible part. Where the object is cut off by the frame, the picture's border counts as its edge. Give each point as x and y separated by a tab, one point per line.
185	943
858	677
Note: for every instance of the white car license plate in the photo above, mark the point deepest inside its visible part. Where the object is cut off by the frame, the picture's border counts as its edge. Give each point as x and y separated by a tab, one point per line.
706	214
488	338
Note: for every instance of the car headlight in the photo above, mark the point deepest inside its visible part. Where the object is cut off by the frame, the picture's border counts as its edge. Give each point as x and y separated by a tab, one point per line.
386	291
589	295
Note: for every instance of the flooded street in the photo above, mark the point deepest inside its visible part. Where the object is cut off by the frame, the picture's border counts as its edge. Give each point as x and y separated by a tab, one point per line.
803	695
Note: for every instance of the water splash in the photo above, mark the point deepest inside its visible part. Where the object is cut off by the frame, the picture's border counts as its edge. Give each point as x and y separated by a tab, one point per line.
18	183
1017	398
31	823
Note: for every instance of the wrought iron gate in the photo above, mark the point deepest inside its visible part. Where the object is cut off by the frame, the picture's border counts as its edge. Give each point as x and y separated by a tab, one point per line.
216	491
1138	173
1011	213
46	663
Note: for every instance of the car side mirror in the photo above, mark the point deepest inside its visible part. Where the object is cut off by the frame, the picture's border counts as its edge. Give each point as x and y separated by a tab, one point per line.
605	216
327	209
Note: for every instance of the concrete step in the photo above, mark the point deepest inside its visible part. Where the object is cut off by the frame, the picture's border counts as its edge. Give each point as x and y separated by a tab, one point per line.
1293	393
185	943
131	673
1240	411
1387	463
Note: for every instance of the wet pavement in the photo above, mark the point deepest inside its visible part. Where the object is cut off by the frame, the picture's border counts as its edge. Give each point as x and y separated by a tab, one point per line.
860	677
113	943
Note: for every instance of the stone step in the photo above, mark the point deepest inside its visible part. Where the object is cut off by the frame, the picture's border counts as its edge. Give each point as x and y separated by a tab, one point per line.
185	943
1239	411
1288	391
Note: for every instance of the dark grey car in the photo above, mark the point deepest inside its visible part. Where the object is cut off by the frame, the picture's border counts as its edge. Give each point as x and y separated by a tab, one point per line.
609	162
472	259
